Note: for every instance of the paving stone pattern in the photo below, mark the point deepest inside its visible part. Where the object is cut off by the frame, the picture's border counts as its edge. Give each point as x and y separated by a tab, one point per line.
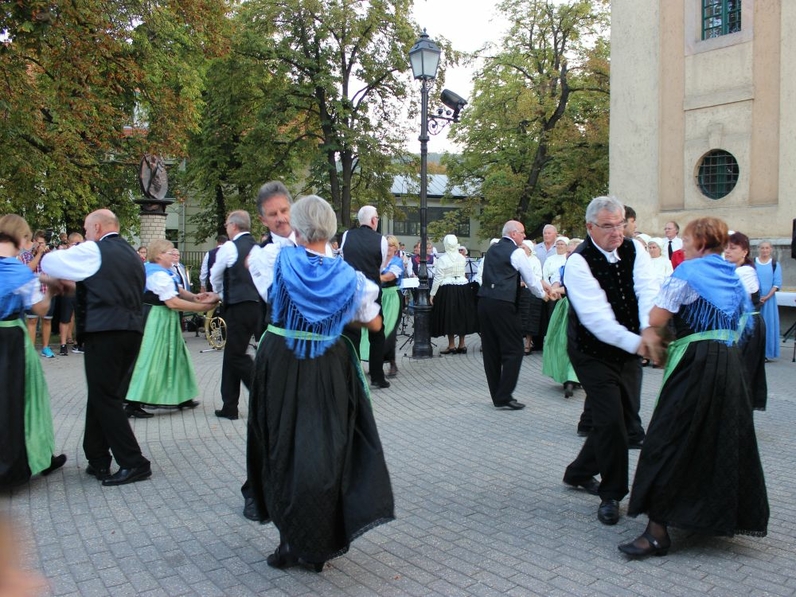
481	509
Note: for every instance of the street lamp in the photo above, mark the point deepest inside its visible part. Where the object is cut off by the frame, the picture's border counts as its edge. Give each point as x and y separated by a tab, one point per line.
424	57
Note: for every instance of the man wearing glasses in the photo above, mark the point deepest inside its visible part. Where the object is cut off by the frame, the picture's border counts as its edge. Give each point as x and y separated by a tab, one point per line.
504	264
231	279
611	289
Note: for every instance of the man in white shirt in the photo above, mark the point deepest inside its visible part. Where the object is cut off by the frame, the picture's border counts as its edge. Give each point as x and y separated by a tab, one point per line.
504	265
242	310
672	242
611	288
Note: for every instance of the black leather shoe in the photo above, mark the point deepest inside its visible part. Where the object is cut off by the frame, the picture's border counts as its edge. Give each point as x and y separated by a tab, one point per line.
380	385
135	411
282	558
583	432
569	389
56	462
188	404
512	404
128	475
250	510
222	414
591	485
654	546
608	512
100	473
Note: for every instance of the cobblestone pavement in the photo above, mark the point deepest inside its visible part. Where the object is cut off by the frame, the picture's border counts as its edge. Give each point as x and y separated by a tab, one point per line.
481	509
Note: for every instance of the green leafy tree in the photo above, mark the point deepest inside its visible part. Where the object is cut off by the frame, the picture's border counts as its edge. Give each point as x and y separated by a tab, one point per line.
86	88
334	80
536	132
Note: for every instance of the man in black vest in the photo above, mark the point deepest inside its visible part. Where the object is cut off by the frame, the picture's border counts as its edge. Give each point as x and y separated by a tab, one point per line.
503	266
110	282
242	310
207	264
366	251
611	289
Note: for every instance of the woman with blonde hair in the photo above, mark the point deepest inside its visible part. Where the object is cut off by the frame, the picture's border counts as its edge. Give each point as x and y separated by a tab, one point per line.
164	374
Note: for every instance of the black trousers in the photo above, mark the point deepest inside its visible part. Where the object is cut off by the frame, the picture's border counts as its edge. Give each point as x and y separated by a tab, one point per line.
243	321
501	339
109	361
377	343
614	392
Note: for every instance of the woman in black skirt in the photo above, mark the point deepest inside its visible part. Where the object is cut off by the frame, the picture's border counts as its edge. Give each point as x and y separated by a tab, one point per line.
314	458
699	468
453	305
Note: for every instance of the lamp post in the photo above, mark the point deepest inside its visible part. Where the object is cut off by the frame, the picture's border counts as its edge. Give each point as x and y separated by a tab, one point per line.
424	58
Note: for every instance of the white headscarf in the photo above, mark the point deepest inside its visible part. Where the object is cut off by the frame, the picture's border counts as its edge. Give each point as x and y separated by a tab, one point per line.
451	244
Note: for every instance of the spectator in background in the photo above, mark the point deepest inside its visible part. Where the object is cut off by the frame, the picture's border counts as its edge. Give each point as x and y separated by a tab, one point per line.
37	249
453	306
769	272
547	247
142	253
672	241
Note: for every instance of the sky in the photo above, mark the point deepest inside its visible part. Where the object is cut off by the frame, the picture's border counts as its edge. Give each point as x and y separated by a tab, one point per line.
468	24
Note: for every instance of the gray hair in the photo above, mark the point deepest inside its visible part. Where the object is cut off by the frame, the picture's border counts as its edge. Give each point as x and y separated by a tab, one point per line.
241	219
366	213
608	203
269	190
313	219
509	227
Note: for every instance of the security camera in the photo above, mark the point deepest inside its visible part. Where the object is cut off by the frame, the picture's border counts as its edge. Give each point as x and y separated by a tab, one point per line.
453	101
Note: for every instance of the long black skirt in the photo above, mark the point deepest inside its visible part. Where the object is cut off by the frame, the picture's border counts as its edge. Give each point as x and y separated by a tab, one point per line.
314	457
700	468
530	308
454	311
14	469
753	351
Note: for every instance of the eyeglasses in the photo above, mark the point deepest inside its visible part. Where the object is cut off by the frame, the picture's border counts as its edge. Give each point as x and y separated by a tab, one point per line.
610	227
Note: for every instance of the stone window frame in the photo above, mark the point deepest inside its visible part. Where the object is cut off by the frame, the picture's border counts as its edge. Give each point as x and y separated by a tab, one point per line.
717	174
694	44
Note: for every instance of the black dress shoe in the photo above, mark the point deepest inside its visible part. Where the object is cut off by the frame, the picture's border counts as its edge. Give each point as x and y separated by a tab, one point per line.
512	404
591	485
380	385
569	389
282	558
583	431
129	475
135	411
227	415
654	546
250	510
101	473
188	404
608	512
56	462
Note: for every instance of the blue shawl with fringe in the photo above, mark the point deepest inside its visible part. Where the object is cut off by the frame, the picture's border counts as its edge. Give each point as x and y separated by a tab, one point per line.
314	295
723	304
13	275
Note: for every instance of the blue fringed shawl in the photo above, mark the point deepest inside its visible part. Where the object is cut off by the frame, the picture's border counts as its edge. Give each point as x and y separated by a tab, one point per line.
13	276
723	304
314	296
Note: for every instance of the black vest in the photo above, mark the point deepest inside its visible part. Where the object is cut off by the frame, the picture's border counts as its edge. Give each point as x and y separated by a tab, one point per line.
238	284
111	299
616	280
500	280
211	260
362	251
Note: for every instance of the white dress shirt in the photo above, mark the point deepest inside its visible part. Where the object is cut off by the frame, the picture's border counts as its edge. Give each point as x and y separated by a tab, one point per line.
225	258
75	263
263	259
591	304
